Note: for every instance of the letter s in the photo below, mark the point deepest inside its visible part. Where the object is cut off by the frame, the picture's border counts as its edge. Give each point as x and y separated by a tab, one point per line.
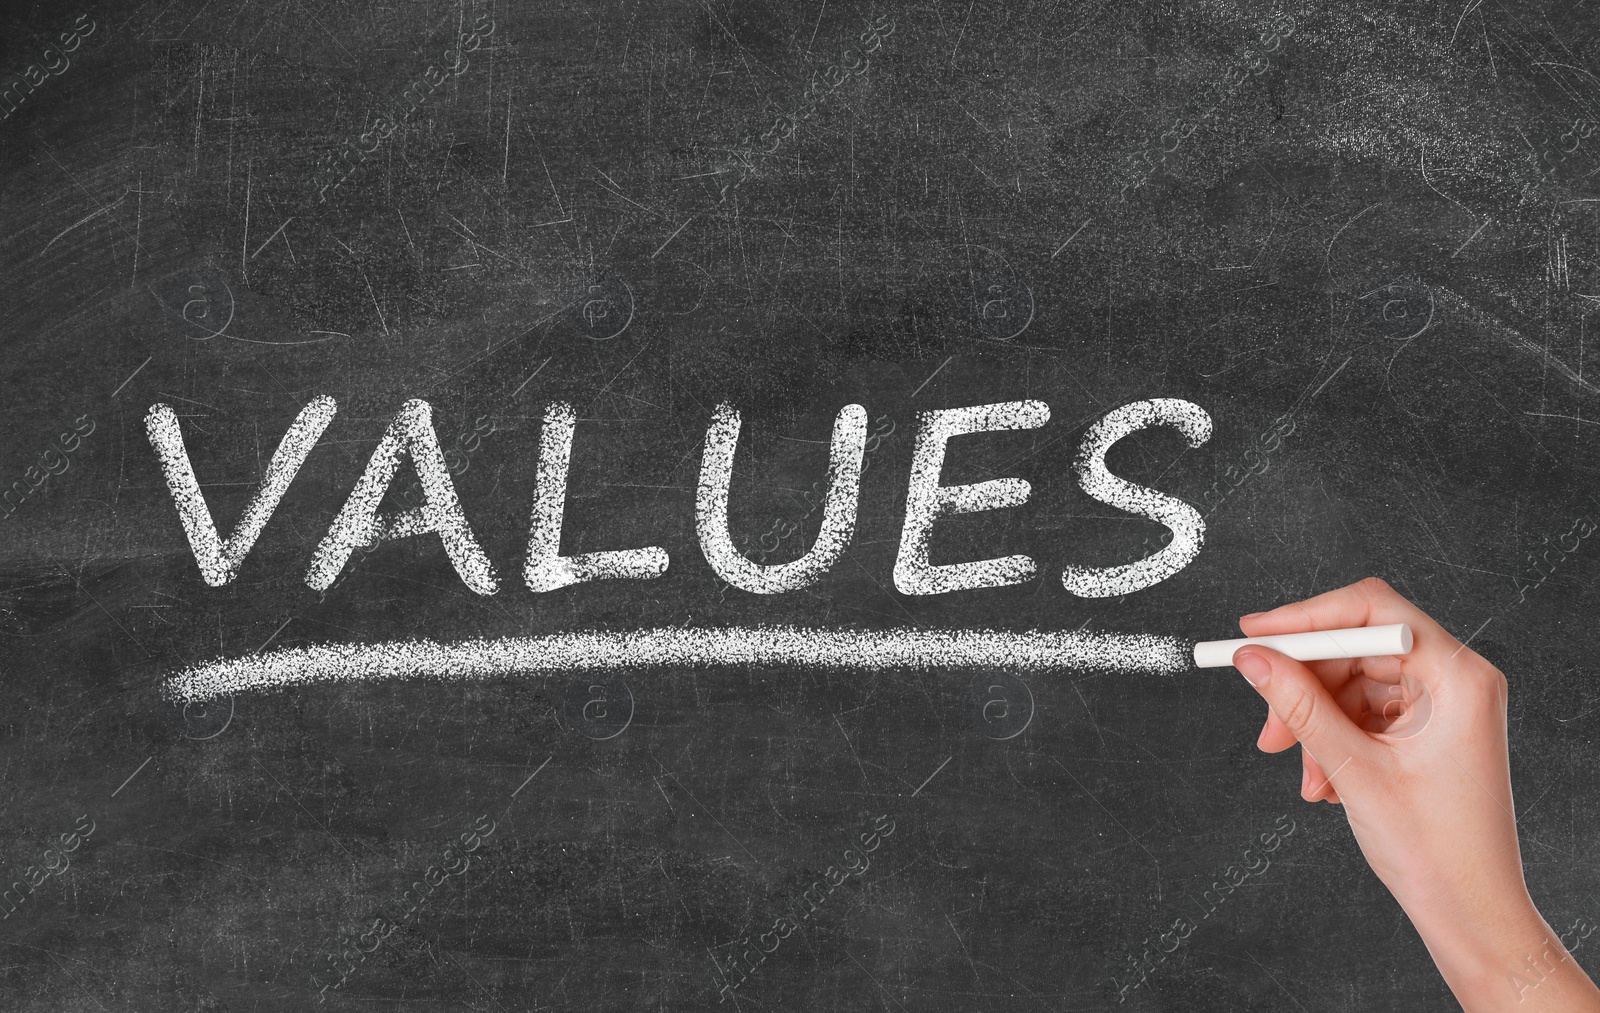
1187	526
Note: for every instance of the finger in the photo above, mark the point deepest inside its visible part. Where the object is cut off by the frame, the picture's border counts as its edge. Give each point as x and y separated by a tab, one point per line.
1356	699
1350	692
1336	672
1275	737
1312	781
1314	785
1369	602
1305	706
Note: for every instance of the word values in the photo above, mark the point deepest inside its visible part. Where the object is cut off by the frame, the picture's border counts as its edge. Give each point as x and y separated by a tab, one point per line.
358	522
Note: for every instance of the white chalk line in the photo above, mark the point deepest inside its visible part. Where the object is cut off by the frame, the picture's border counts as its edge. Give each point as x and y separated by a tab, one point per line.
799	647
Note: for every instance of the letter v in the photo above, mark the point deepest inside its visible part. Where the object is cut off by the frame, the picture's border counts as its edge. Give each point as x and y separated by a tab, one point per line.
220	560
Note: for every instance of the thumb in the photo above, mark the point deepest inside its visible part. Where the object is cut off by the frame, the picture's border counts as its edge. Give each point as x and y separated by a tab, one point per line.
1300	700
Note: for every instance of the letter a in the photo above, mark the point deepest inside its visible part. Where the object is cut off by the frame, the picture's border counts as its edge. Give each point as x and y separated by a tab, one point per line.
359	524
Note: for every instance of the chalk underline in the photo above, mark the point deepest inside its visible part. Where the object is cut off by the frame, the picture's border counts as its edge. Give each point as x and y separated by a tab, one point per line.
1039	651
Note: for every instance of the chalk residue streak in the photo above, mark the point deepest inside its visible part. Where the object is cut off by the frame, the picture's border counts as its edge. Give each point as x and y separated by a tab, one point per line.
789	646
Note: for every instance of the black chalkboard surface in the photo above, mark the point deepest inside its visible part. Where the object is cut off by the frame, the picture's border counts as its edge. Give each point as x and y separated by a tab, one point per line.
1359	237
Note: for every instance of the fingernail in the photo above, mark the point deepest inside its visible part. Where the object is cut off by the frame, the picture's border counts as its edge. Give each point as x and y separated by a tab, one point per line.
1253	667
1251	616
1305	780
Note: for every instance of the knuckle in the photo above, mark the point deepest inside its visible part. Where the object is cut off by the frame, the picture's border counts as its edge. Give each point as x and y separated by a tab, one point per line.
1300	714
1375	587
1480	672
1493	684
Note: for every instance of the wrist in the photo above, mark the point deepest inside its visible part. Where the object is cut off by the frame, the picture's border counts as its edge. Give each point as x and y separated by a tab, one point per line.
1496	953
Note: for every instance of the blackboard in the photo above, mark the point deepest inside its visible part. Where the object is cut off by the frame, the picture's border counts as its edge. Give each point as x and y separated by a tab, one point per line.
1359	236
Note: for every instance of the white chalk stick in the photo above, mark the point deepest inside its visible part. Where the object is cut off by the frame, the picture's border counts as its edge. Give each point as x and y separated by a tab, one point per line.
1320	645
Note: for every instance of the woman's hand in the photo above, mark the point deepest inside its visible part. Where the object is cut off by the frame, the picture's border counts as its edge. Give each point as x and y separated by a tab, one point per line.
1414	748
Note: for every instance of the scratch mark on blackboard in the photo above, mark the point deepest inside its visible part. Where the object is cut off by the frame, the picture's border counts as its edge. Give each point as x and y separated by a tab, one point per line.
1554	415
274	636
931	376
1114	819
1517	340
303	809
1327	254
965	952
531	776
270	238
131	375
712	817
1263	967
1070	238
89	217
1475	233
852	746
675	232
131	776
931	776
868	973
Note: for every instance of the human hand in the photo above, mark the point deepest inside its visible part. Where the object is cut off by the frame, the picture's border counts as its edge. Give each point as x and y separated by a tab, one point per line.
1414	747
